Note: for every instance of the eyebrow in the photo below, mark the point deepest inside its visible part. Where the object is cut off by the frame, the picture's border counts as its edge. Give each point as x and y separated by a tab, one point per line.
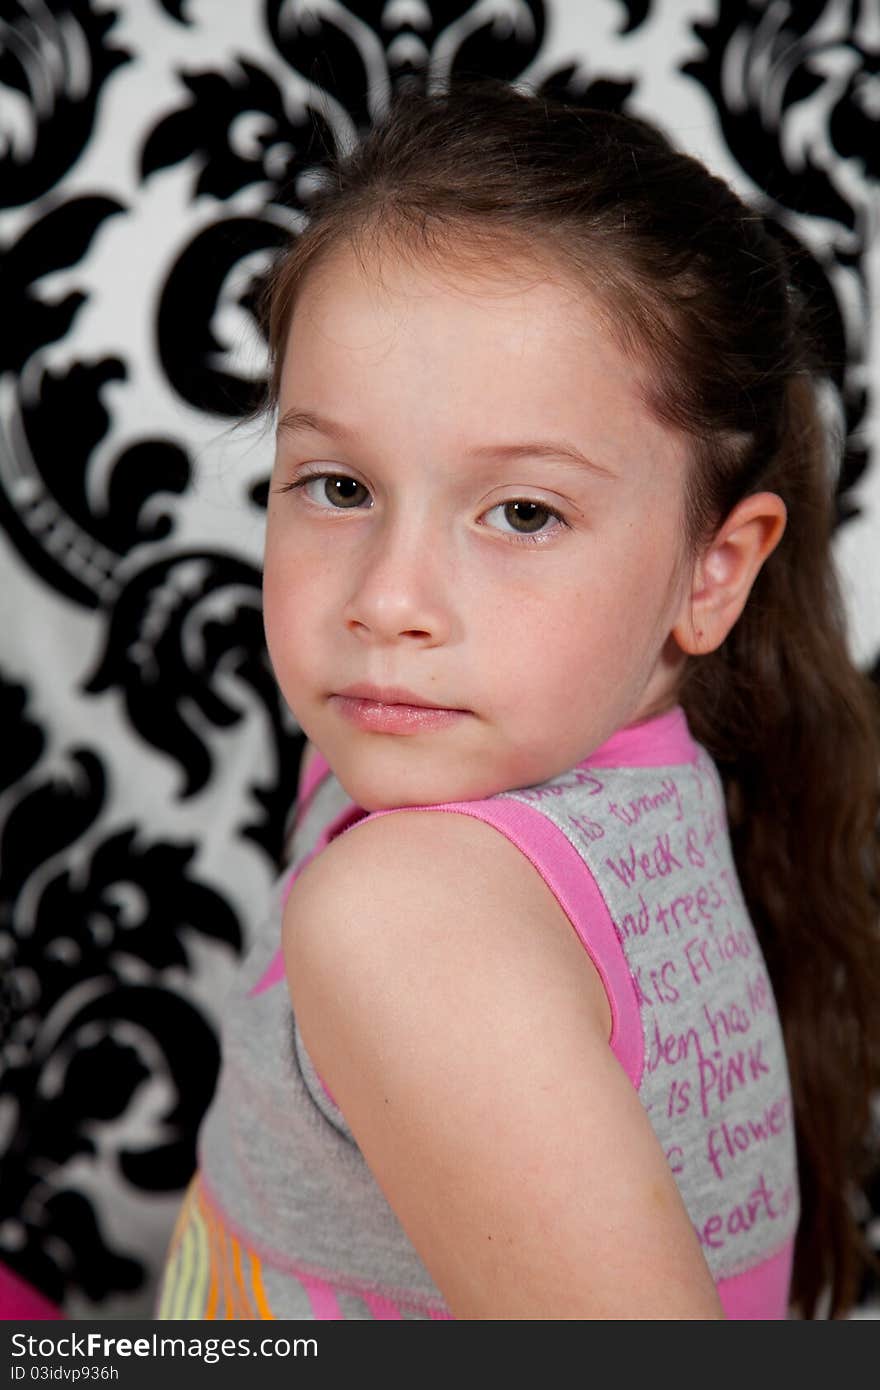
295	421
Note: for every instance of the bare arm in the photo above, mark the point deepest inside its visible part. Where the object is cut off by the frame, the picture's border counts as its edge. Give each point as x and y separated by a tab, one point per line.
453	1013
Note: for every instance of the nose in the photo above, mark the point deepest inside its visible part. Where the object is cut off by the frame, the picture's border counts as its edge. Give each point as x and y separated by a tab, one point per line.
401	589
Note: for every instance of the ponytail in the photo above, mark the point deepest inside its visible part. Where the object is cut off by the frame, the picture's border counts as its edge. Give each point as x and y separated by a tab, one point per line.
795	731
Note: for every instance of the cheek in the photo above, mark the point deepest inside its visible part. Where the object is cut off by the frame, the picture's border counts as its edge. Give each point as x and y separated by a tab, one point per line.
287	568
530	646
285	602
276	589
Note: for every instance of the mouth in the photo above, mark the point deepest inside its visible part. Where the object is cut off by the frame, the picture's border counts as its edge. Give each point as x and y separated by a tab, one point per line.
392	710
391	695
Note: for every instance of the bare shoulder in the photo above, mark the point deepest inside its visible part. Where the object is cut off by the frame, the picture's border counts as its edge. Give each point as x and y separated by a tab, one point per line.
461	1026
442	893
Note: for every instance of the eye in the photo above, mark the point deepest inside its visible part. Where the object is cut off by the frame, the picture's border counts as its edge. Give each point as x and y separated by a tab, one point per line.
336	490
526	519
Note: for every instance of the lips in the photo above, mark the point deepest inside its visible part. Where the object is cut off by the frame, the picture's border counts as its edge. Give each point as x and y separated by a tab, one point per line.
385	709
391	695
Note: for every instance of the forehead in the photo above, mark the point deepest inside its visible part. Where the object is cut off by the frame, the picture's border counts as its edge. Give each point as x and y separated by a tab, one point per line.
497	276
511	341
382	279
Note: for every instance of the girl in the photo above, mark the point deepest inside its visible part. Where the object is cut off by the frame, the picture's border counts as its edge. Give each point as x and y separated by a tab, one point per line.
585	821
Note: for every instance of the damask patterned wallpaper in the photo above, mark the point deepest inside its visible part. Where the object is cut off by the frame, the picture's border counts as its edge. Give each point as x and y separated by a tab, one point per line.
154	155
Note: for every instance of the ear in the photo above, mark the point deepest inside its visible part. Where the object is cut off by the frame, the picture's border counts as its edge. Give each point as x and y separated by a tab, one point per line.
725	571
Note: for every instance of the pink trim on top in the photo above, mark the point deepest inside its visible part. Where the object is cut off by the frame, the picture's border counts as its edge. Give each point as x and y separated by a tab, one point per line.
316	772
760	1294
272	975
383	1309
569	879
659	742
323	1300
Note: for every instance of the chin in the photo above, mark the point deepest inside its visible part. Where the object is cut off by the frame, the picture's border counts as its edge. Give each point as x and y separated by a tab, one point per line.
389	788
385	796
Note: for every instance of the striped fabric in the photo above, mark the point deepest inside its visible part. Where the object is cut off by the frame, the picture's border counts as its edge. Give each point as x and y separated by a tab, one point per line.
210	1274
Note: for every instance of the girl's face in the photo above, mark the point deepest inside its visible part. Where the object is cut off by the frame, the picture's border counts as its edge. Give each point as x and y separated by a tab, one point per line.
471	510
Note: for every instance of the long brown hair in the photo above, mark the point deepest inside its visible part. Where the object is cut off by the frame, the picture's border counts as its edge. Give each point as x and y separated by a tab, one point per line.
689	275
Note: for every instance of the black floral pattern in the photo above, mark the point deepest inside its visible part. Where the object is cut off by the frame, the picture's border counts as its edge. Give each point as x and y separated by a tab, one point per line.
58	239
93	924
762	65
237	131
54	62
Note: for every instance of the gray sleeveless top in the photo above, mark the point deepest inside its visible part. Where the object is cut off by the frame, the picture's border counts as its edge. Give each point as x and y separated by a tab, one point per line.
284	1217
